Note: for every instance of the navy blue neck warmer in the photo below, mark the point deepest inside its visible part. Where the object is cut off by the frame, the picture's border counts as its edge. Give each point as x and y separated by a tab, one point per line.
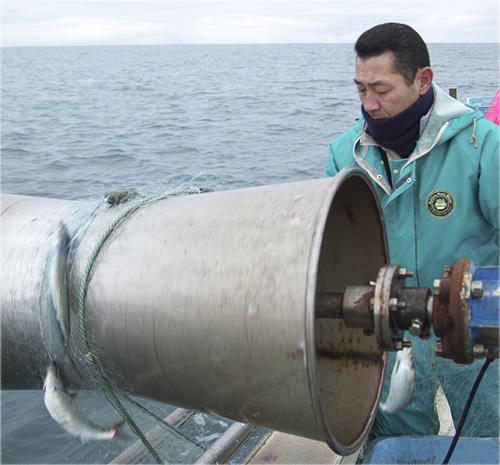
400	133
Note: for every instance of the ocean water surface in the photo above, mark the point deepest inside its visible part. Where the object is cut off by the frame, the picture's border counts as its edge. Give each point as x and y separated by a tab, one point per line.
77	122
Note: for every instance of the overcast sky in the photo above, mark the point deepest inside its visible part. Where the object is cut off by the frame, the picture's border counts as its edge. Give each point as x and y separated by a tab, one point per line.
109	22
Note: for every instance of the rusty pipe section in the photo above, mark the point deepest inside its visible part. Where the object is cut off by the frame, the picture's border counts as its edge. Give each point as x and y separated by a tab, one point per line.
208	302
385	308
463	310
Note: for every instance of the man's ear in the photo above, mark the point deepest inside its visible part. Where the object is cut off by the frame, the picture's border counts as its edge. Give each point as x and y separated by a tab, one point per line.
425	76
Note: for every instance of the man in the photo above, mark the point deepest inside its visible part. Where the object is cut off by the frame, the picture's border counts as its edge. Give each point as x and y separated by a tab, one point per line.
434	163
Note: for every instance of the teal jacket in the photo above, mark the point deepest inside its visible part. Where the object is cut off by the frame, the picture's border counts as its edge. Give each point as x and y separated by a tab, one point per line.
442	202
439	205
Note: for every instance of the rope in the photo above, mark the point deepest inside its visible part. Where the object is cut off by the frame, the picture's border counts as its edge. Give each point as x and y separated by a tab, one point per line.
161	421
466	410
89	356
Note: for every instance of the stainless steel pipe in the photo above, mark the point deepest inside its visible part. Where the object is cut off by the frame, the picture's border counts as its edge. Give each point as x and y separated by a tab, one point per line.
207	302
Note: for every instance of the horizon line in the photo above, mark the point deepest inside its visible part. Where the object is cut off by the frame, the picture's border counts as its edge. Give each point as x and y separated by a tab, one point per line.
222	43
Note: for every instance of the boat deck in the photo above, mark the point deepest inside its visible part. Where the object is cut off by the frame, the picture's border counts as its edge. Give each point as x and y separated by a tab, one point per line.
279	448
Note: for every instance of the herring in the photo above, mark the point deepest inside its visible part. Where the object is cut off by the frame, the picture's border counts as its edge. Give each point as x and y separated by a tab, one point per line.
58	280
402	382
63	409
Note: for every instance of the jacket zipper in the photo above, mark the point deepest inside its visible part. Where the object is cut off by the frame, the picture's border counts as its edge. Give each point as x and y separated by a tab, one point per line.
425	152
366	167
378	178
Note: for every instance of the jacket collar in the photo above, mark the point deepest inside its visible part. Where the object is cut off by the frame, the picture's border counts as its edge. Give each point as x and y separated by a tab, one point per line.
446	111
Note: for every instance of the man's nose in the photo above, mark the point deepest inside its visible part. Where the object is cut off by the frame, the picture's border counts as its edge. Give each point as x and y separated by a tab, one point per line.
371	102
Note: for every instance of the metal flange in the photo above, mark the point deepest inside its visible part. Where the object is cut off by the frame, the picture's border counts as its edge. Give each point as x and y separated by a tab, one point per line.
385	305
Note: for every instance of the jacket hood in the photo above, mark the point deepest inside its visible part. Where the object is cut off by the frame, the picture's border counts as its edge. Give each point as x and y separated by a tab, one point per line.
448	116
446	109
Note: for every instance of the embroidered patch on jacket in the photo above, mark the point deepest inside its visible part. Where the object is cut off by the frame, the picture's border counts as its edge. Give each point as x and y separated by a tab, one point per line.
440	204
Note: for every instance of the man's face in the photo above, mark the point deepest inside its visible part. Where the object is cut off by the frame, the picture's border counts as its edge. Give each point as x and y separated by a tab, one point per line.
383	91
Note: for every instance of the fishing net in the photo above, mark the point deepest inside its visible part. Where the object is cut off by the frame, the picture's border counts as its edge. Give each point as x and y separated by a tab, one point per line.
104	403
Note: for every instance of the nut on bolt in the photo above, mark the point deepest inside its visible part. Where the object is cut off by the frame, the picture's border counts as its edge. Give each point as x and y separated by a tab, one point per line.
477	288
398	344
436	286
479	351
404	273
439	348
416	327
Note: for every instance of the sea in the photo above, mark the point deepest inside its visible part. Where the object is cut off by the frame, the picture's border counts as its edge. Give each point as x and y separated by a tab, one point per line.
79	122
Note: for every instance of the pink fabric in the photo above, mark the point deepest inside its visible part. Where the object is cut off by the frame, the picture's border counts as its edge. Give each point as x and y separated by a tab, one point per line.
493	113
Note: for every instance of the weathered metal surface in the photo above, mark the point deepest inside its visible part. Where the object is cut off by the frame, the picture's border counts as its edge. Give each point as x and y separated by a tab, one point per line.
412	311
357	309
465	312
227	445
389	336
450	314
207	302
329	305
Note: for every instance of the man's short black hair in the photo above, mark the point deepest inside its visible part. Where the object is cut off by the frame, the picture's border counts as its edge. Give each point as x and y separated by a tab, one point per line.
405	43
